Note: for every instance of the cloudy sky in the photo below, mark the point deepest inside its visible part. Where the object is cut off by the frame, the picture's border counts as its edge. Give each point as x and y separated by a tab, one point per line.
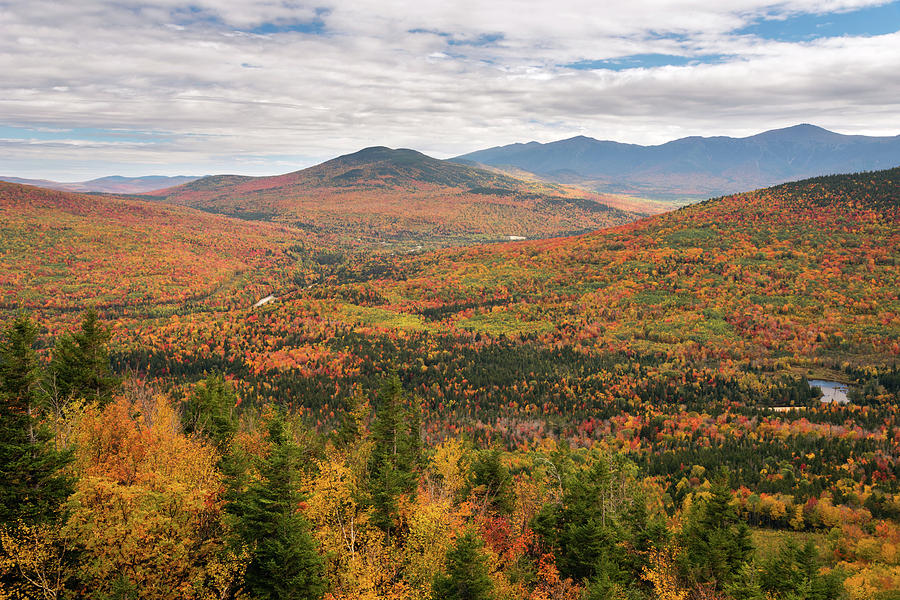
99	87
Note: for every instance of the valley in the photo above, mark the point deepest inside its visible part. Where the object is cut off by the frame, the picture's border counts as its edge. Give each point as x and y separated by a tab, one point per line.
680	350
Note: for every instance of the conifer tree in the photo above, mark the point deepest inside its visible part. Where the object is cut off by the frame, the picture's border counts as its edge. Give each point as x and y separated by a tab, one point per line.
32	485
468	577
210	410
491	482
265	517
396	453
80	366
716	541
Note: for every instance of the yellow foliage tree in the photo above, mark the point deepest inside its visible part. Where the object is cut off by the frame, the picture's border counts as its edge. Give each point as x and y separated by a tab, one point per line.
146	498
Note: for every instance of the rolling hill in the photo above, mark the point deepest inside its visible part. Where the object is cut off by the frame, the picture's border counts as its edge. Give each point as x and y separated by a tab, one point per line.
384	195
62	251
805	272
694	168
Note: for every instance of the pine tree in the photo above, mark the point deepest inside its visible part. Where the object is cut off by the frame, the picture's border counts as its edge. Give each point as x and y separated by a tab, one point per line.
80	366
793	572
585	531
32	485
265	517
745	585
467	575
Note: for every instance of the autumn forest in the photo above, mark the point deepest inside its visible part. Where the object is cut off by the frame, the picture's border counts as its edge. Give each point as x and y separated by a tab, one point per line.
395	377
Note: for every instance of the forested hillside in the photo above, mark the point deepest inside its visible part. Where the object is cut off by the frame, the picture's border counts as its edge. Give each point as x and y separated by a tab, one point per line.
623	414
402	196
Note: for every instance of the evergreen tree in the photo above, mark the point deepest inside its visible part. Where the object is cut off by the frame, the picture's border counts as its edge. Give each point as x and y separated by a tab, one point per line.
285	564
794	573
716	541
353	418
467	575
32	485
80	366
585	532
745	585
396	454
210	410
491	482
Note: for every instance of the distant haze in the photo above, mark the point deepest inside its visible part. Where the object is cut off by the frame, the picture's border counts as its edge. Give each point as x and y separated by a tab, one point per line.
113	184
696	167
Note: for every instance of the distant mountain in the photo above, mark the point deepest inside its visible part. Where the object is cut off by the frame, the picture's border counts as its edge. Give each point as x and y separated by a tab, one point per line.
114	184
384	195
696	167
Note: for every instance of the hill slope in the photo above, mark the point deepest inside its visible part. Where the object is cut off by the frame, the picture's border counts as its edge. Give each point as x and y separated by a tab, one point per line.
379	194
61	251
697	167
806	270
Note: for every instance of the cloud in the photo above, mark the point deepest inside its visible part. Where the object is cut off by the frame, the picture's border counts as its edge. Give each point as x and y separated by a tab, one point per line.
224	84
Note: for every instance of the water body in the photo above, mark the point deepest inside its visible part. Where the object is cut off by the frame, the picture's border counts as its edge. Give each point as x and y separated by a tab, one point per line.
832	391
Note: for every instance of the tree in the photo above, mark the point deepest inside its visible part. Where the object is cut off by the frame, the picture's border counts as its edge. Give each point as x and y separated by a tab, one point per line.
491	483
285	564
396	454
32	484
793	572
80	365
145	512
716	542
467	576
209	411
585	531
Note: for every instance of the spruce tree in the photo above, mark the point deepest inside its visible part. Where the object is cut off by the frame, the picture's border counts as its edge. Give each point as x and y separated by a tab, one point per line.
209	410
716	541
467	575
265	517
491	482
80	366
396	454
32	485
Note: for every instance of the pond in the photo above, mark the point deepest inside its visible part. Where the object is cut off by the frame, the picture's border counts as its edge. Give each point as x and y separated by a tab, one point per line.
832	391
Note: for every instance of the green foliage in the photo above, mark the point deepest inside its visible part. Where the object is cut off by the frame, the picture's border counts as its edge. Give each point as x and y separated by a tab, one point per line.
467	576
209	410
265	517
745	585
490	482
794	573
716	541
80	366
32	485
396	453
590	530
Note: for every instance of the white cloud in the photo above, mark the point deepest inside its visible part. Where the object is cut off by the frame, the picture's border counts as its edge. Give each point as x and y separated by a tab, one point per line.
438	76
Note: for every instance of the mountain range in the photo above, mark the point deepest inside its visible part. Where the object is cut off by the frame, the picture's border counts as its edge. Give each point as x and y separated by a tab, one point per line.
114	184
695	168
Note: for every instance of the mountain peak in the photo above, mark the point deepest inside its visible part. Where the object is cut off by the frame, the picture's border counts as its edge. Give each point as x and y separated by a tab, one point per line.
380	153
801	132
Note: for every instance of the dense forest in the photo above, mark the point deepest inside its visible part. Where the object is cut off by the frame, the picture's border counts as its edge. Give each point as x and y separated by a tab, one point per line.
625	414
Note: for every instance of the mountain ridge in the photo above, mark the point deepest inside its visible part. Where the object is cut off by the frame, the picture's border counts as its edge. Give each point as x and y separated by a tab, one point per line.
696	167
110	184
383	195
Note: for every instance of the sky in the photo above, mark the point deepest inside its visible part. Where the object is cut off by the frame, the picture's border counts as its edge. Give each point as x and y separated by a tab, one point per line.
105	87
